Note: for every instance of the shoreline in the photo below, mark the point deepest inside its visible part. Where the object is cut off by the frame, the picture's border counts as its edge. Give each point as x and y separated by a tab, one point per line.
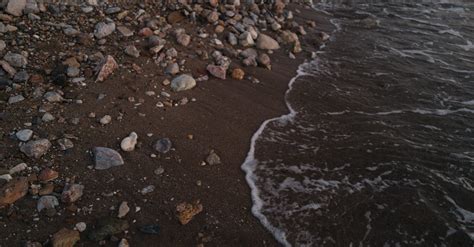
224	116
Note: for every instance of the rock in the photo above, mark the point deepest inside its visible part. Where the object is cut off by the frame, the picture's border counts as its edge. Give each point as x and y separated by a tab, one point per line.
148	189
163	145
21	77
246	39
47	202
73	71
123	210
183	39
187	211
69	31
46	189
108	66
6	177
103	29
15	59
264	60
81	226
13	191
238	74
47	175
24	135
65	144
36	149
182	83
125	31
105	120
16	99
53	97
105	158
129	142
265	42
172	69
175	17
150	229
18	168
8	68
132	51
106	227
217	71
47	117
15	7
249	52
65	238
72	193
123	243
213	158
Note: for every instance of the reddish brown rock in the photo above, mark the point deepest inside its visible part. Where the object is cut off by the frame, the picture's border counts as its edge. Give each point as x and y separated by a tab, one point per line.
47	175
175	17
13	191
238	74
108	66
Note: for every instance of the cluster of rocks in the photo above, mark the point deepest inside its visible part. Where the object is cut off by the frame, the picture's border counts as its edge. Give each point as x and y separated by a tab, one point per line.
98	39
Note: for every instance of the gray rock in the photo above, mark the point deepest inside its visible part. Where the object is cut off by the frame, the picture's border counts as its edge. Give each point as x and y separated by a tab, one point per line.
16	60
21	77
163	145
112	10
24	135
47	117
105	158
132	51
65	144
36	149
53	97
125	31
16	99
213	158
73	71
266	42
183	82
69	31
172	69
31	7
103	29
3	45
47	202
15	7
72	193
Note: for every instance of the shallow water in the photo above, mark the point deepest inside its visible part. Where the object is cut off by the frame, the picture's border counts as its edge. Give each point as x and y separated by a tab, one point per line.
378	148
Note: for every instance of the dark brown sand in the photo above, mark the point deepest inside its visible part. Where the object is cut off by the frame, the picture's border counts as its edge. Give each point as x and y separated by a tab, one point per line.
224	117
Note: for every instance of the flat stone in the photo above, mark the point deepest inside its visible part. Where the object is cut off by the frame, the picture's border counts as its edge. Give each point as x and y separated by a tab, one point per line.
150	229
125	31
13	191
47	175
105	158
36	149
15	99
53	97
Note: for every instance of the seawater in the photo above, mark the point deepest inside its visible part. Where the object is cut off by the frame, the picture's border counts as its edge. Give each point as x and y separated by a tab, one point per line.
378	146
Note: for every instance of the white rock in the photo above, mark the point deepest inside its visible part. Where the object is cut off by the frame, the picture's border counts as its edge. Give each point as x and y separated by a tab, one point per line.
105	119
24	135
81	226
123	210
18	168
129	142
183	82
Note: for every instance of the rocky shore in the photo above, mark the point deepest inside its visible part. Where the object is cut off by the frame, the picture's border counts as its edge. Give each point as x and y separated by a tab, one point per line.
126	124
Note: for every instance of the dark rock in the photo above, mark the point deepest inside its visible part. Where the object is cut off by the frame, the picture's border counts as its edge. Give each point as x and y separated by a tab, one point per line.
163	145
59	75
150	229
106	227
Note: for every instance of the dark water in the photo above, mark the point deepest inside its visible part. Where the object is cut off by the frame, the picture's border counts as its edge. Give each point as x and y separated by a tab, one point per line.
378	149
